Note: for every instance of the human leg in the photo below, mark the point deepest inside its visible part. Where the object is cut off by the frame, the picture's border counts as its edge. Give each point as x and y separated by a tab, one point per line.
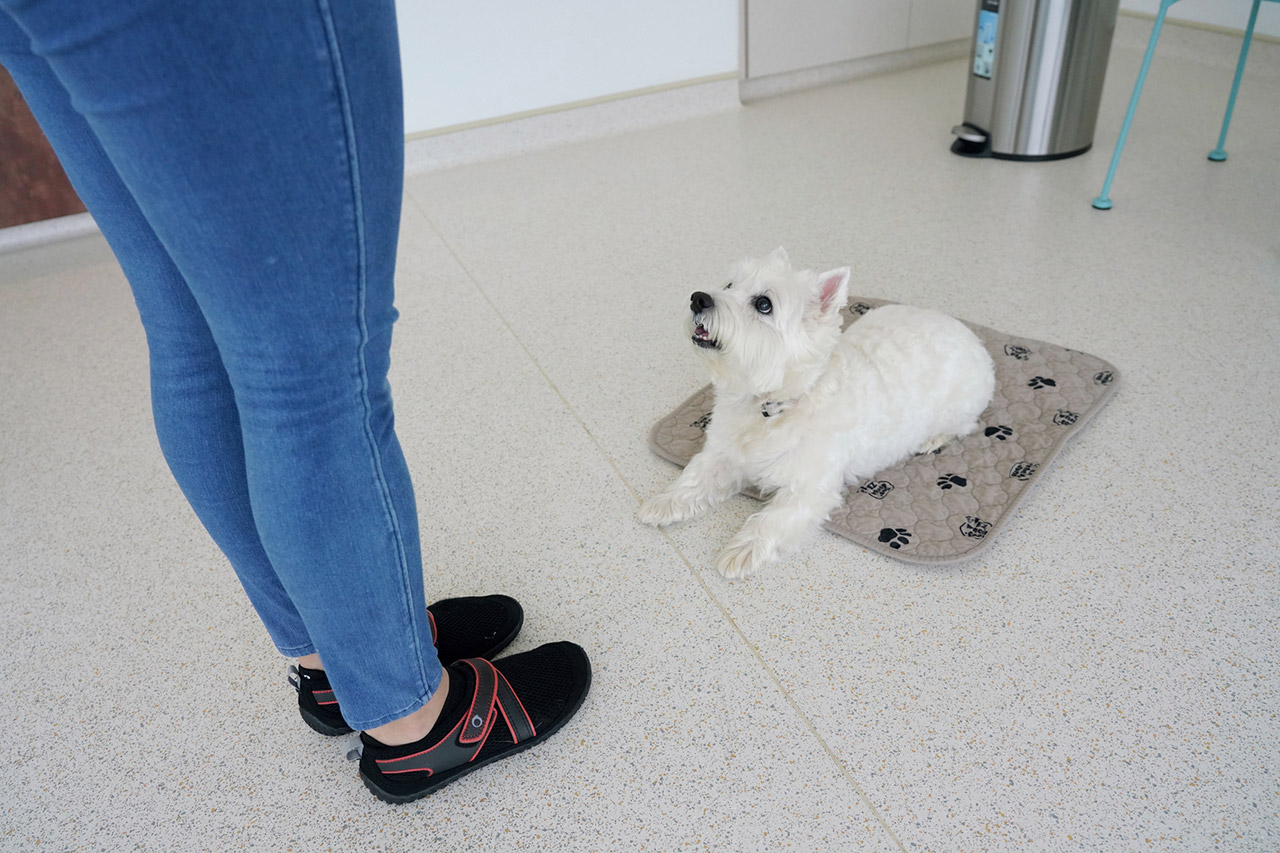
196	420
262	145
271	178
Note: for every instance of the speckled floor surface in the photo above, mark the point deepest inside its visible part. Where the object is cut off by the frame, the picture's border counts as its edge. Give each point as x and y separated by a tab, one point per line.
1104	677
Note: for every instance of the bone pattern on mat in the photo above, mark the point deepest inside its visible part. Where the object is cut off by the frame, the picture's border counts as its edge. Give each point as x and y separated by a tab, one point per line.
948	506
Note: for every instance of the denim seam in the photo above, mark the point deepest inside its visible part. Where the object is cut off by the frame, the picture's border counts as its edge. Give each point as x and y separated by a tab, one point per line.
348	124
297	651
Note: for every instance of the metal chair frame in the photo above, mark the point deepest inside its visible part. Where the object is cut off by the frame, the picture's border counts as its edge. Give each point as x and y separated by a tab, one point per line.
1218	154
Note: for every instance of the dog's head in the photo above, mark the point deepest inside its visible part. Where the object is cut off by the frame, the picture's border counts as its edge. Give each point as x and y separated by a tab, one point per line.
771	329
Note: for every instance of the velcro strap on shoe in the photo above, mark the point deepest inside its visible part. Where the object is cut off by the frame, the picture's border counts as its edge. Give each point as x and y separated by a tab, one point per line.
480	717
491	695
513	710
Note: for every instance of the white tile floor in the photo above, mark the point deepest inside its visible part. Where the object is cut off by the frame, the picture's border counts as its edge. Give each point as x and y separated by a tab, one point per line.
1104	678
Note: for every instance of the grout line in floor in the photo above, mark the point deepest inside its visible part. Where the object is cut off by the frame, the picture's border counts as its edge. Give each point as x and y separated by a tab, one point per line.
697	576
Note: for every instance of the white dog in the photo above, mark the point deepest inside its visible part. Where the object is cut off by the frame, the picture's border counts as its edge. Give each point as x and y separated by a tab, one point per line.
802	410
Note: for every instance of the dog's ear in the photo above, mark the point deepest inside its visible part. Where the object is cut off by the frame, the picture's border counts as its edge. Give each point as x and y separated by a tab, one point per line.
832	290
779	255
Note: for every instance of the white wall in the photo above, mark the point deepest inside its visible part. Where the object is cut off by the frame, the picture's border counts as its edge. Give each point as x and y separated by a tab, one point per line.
933	21
1222	13
481	59
791	35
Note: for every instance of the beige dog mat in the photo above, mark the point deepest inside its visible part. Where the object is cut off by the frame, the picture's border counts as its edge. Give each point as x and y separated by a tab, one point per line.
949	505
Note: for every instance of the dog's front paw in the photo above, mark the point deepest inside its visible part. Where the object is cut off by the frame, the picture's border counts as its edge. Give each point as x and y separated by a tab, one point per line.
743	556
663	509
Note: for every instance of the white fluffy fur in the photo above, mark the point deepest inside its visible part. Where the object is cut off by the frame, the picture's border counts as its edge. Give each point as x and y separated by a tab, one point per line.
900	381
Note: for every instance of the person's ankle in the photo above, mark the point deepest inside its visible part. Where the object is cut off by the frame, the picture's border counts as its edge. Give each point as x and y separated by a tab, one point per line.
311	661
416	725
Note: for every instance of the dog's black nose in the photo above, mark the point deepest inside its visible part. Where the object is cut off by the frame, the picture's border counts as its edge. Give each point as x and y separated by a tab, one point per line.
700	302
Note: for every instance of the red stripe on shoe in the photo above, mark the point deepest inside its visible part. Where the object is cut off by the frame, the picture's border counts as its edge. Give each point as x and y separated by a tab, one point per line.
418	762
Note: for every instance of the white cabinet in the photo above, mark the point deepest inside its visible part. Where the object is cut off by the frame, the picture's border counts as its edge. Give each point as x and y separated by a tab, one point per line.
791	35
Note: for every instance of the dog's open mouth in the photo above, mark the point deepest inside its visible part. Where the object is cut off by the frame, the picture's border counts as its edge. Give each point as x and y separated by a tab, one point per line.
702	337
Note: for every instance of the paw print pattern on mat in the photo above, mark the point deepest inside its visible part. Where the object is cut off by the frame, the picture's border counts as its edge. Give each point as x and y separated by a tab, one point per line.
1023	470
877	489
951	481
703	422
1039	382
1000	433
1065	418
975	528
895	537
1020	353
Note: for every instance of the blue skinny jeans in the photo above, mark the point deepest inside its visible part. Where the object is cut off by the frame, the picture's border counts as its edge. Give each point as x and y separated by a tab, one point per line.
244	160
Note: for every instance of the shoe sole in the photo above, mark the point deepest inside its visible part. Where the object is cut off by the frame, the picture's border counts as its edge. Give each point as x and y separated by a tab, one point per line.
458	772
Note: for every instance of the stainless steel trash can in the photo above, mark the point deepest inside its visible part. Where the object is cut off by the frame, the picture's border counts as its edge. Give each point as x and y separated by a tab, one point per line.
1035	78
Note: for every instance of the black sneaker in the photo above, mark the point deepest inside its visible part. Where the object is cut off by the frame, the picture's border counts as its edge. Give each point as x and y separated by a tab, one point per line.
473	627
493	710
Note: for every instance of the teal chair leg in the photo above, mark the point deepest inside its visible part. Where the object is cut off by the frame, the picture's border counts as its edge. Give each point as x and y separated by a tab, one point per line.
1218	154
1103	201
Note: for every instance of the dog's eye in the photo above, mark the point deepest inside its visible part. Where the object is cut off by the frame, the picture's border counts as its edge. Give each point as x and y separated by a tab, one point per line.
763	305
728	286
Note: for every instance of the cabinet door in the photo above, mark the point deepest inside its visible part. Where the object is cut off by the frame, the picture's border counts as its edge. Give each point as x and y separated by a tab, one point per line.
934	21
788	35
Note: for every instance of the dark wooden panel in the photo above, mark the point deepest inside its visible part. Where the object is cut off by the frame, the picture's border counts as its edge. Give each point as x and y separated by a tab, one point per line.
32	184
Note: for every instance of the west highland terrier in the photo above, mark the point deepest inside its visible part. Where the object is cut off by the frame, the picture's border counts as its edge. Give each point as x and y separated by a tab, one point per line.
802	410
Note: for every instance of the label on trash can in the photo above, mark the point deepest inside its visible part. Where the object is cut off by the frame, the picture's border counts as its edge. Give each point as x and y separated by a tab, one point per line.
984	52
